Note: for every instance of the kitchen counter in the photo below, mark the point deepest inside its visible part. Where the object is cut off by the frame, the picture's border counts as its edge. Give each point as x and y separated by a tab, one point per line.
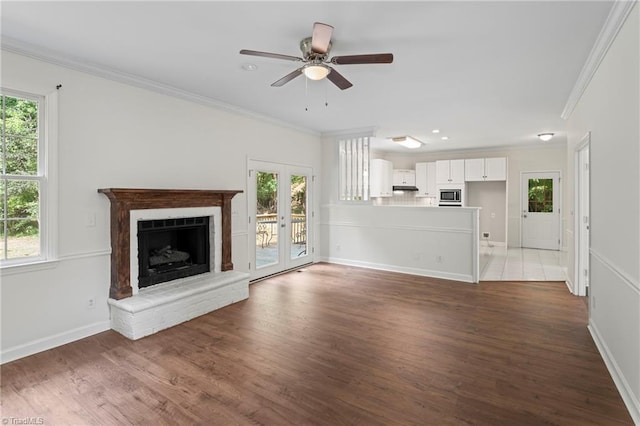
440	242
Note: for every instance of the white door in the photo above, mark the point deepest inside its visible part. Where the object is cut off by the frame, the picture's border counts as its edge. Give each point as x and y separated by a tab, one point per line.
541	210
582	220
279	217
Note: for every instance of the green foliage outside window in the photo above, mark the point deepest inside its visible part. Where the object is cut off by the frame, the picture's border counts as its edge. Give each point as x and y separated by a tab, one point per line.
541	195
267	193
19	196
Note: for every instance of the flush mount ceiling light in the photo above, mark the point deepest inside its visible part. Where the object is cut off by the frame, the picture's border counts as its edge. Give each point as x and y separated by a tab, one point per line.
545	137
407	142
316	71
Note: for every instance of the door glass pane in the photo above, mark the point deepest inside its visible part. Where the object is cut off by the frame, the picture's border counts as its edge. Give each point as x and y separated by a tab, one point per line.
266	219
540	195
298	216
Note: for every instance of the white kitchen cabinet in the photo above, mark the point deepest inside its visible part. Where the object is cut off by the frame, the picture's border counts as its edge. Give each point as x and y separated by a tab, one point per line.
485	169
426	179
404	177
449	172
380	178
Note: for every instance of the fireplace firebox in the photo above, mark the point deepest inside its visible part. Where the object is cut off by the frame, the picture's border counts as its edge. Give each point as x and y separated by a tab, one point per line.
169	249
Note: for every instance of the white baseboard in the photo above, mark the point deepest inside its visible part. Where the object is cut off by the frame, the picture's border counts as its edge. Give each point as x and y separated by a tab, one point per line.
630	400
51	342
401	269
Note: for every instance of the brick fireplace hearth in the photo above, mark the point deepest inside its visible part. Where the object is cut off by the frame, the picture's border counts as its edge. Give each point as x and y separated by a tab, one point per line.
137	312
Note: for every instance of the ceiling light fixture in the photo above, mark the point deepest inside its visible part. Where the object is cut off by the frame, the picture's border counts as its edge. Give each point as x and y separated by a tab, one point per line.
545	137
435	131
316	71
445	138
407	142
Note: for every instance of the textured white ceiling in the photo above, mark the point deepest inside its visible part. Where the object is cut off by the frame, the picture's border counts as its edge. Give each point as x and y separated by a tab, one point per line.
484	73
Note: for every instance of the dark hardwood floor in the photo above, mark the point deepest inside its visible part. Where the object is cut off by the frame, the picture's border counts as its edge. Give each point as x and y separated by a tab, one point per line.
335	345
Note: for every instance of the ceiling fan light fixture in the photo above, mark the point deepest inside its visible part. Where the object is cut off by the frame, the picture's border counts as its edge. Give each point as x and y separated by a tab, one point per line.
407	142
316	71
545	137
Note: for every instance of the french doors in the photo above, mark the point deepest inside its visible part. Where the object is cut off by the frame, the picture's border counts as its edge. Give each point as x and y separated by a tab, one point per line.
541	210
280	236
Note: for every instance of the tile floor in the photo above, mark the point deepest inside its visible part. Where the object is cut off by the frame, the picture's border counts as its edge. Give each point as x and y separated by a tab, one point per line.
518	264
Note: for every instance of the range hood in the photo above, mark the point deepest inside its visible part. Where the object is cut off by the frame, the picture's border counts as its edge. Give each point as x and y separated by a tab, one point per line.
404	188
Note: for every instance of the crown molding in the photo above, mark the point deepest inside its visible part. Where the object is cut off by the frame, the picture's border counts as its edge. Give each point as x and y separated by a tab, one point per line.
355	133
617	16
76	64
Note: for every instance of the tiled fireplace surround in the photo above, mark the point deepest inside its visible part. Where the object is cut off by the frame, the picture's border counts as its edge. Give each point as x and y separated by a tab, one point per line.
135	312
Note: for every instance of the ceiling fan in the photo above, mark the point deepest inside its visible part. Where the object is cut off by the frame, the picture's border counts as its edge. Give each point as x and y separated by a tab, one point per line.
315	55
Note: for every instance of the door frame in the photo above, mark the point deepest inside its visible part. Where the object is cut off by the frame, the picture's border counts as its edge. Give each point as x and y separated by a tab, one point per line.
582	244
284	171
524	196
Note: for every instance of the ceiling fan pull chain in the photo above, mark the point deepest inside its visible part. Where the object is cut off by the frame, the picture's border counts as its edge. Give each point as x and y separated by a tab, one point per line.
306	94
326	96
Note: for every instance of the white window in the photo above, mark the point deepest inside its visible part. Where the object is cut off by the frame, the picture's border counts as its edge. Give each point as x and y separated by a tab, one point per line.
354	169
29	124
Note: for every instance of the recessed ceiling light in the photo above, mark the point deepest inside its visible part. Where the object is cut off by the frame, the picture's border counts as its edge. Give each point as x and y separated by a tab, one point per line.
435	131
445	138
249	67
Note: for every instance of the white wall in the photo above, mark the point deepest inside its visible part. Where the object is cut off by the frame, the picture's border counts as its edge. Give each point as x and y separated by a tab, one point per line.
542	157
428	241
609	109
492	198
117	135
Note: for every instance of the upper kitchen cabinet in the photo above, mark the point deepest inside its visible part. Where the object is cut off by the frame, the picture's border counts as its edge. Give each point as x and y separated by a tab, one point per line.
449	172
381	178
426	179
485	169
404	177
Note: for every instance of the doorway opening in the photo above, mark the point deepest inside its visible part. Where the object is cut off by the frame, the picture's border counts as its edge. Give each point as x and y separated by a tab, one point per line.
582	217
280	236
540	223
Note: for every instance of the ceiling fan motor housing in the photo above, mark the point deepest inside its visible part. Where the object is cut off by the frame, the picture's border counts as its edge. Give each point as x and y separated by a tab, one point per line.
309	54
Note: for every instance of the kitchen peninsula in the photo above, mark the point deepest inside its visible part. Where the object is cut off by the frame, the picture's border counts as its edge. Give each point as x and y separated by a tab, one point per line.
441	242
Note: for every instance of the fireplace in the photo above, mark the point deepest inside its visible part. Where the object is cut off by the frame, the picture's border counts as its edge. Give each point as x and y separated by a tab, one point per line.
170	257
169	249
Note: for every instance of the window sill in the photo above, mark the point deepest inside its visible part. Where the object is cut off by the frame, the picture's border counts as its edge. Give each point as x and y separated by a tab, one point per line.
20	268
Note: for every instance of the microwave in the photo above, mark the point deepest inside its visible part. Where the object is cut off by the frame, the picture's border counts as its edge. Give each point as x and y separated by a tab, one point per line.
450	197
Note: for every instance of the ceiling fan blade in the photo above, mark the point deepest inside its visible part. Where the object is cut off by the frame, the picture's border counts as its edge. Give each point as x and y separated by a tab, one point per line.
287	78
269	55
336	78
375	58
321	37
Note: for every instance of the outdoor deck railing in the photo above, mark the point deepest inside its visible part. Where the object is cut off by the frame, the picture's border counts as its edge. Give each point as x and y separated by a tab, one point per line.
267	229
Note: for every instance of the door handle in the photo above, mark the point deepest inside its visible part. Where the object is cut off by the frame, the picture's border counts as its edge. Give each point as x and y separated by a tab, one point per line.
524	215
283	225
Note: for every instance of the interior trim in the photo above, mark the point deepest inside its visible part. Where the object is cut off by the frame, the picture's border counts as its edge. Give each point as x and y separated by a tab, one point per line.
400	227
50	342
617	16
25	49
633	284
430	273
633	405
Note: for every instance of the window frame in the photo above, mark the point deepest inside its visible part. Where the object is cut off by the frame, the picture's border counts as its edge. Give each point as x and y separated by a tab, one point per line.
46	176
362	163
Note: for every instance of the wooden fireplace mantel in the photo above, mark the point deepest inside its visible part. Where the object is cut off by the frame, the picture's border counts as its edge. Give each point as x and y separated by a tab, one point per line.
123	200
